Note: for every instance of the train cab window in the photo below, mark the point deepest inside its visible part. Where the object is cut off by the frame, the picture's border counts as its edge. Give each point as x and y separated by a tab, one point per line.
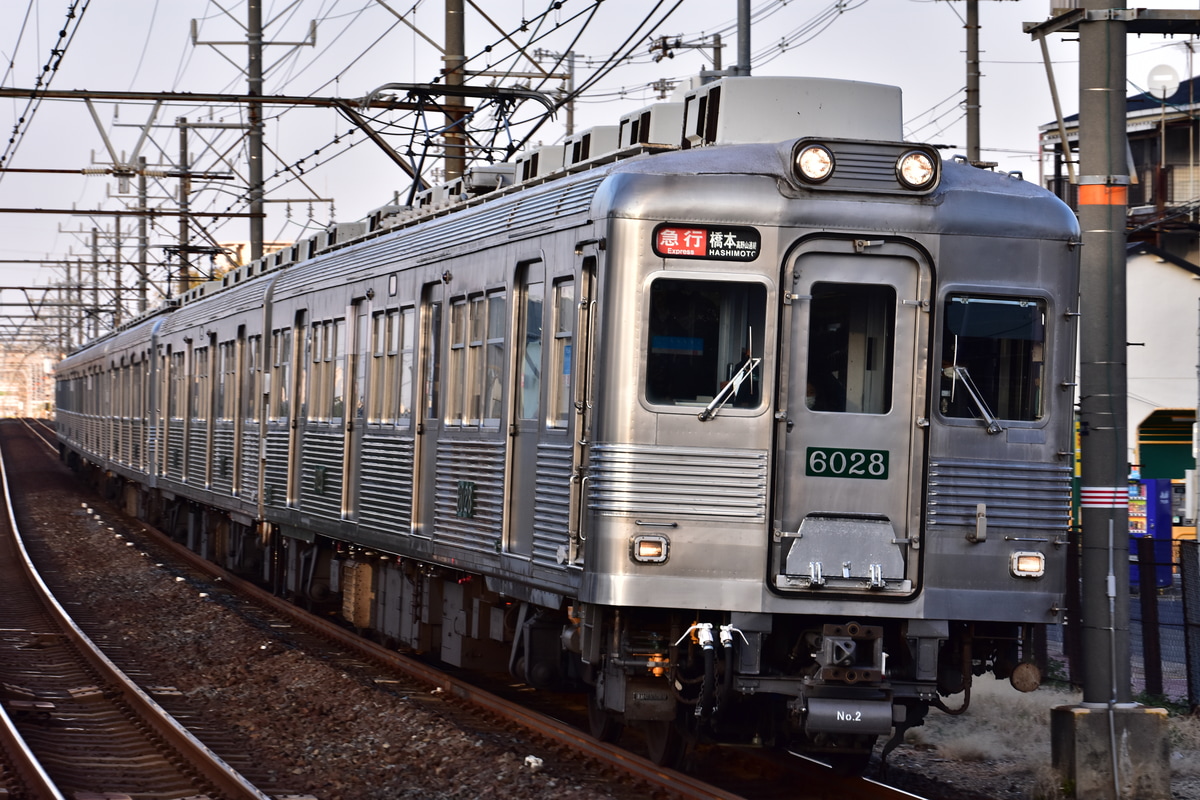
850	348
993	354
701	335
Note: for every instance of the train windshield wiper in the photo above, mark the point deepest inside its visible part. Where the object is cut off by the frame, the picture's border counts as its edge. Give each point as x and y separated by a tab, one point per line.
993	425
729	389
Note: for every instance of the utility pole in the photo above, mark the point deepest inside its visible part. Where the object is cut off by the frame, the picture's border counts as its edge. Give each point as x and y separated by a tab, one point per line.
143	268
254	138
254	39
95	283
185	189
743	65
455	60
567	91
973	155
1085	738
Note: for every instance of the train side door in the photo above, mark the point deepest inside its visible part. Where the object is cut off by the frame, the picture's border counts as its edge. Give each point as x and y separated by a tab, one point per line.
526	408
851	448
429	409
357	356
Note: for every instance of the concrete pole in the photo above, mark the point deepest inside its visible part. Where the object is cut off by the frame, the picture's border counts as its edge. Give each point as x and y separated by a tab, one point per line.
95	326
143	238
743	65
973	81
570	93
185	189
1107	747
1103	198
455	60
118	285
254	142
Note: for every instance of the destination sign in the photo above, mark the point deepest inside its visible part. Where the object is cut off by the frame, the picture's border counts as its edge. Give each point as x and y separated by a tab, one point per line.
719	242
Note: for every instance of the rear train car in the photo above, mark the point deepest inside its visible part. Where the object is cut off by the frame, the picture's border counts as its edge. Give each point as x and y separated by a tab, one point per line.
756	422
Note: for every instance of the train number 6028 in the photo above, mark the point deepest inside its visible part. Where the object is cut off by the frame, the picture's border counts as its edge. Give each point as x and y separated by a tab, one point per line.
836	462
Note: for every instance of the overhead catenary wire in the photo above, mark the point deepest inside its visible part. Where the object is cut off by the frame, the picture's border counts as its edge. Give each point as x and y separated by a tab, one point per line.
66	35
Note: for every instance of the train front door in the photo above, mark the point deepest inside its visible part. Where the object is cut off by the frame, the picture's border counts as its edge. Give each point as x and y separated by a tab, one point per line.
851	443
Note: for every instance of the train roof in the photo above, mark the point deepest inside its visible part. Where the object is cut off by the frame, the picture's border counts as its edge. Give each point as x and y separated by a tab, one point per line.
737	125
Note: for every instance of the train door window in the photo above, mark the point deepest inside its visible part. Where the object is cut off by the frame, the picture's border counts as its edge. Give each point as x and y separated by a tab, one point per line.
993	356
474	377
317	407
252	374
701	335
176	396
431	359
404	340
227	381
850	348
337	371
560	364
379	340
455	412
354	361
493	376
281	373
529	340
200	384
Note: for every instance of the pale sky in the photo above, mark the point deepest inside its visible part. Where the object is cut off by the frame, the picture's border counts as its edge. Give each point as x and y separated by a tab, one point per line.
142	45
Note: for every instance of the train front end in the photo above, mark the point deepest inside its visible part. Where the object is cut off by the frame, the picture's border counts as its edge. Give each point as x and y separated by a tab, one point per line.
828	469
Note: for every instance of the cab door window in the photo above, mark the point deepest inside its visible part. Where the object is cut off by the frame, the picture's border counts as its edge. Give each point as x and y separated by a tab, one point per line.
850	342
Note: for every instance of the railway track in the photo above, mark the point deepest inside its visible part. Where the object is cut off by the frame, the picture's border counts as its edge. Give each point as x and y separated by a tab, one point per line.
744	774
87	724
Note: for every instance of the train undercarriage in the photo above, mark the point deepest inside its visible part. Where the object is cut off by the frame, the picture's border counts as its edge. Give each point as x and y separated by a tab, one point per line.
811	685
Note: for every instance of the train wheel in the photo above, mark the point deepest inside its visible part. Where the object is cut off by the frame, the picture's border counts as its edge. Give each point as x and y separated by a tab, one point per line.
854	759
848	764
664	742
603	725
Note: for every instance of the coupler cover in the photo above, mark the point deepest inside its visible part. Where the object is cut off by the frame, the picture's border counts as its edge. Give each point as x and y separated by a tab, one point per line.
848	715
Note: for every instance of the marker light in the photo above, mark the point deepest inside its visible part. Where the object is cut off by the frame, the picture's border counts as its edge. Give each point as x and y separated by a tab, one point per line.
916	169
814	163
650	548
1028	565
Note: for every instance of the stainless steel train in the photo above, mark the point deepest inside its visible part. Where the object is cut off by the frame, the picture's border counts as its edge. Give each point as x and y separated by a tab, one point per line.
745	414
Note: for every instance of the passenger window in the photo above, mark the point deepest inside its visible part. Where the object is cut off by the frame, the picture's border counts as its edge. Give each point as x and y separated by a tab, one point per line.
701	334
851	334
993	348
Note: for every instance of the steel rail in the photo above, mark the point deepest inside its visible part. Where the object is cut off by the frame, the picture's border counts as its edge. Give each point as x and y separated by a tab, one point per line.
29	771
643	769
215	770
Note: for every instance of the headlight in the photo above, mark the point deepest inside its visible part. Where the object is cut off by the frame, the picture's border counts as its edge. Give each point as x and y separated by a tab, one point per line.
814	163
916	169
650	548
1028	565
